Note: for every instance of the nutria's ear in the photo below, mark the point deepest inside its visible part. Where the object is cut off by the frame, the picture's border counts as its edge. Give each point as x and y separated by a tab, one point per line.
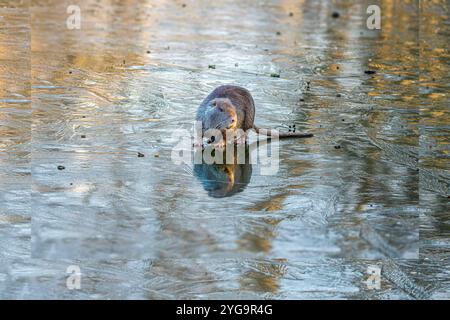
213	103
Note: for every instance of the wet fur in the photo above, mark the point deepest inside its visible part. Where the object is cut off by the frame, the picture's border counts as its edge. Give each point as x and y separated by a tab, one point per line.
244	106
241	100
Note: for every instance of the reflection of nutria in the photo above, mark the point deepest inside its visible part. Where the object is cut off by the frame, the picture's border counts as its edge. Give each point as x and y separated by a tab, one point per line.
229	108
225	180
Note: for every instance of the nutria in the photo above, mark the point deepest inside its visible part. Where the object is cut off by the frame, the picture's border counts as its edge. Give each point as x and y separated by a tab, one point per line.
229	108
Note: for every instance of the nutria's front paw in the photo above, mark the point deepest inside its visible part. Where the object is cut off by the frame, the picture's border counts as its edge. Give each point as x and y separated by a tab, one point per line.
197	144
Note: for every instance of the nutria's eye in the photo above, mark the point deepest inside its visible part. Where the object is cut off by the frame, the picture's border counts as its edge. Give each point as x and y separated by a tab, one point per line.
220	109
232	120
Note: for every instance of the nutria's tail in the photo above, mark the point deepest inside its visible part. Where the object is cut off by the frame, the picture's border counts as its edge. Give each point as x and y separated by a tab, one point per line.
276	133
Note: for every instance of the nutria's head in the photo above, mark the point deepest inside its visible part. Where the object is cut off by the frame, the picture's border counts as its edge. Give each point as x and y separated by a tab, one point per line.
221	115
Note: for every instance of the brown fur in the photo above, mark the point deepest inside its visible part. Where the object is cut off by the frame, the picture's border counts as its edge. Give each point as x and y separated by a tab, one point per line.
238	100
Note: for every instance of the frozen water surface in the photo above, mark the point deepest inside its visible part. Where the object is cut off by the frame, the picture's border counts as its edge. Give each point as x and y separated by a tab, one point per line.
369	189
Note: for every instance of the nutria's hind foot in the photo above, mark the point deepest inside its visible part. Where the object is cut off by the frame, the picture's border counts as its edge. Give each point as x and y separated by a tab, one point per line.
241	139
